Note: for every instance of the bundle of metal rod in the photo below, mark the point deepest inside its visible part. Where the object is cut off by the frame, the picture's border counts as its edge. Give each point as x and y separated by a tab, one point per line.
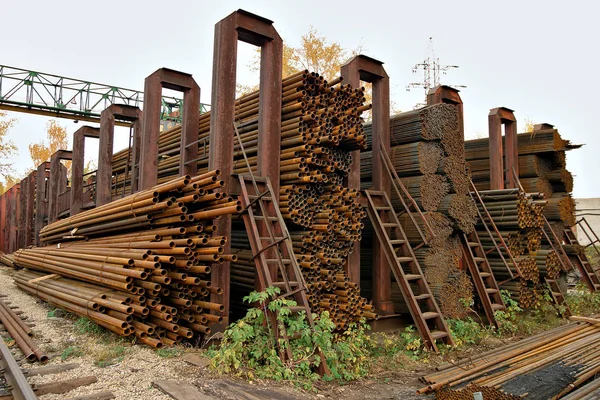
467	393
561	206
20	332
530	166
564	351
560	179
427	123
159	275
7	259
409	159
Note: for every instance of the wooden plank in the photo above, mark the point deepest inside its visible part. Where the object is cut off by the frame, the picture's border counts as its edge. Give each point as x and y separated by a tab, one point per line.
51	369
95	396
197	360
64	386
180	390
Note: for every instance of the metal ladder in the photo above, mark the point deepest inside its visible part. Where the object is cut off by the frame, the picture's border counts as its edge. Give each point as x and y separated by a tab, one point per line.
591	235
583	264
261	214
408	202
487	221
558	296
483	276
407	271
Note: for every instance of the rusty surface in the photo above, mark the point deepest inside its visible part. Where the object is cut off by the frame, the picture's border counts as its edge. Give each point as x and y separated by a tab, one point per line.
249	28
363	68
448	95
58	182
105	151
148	161
43	173
29	222
22	213
501	170
78	165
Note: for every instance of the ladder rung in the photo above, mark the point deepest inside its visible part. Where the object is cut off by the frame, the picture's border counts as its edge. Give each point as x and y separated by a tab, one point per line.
397	241
282	284
274	260
424	296
478	259
405	259
277	238
388	224
384	208
497	307
435	335
473	244
485	274
297	309
261	218
412	277
557	294
491	291
430	315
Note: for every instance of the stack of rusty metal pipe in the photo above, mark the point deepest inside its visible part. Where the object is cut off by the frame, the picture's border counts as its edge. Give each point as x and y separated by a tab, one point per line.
138	266
20	332
321	125
566	348
542	169
427	154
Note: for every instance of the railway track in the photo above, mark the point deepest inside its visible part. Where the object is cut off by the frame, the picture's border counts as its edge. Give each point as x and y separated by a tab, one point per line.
15	380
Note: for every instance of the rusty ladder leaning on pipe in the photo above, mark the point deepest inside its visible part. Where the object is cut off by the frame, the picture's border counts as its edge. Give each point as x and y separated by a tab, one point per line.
405	266
587	230
584	266
261	213
556	292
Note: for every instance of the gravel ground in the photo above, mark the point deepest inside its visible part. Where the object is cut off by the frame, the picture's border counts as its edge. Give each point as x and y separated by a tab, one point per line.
130	378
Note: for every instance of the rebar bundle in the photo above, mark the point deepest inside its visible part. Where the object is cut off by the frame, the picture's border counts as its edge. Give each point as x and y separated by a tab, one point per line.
140	265
564	351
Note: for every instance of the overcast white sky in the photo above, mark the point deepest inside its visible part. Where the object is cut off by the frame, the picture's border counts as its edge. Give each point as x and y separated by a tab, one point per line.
536	57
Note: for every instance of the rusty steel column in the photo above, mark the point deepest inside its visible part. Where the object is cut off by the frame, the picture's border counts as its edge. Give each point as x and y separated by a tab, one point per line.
22	212
105	151
56	184
2	222
253	29
363	68
78	165
503	159
14	228
43	172
174	80
448	95
30	208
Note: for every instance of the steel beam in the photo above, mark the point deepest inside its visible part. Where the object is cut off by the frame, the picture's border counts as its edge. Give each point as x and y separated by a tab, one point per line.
256	30
448	95
41	201
29	228
78	165
542	127
174	80
13	217
22	224
105	151
2	222
363	68
501	170
57	183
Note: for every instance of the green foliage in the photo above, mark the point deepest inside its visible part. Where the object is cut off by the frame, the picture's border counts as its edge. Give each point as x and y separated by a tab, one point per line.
507	319
466	332
169	352
109	356
70	352
85	325
248	346
583	302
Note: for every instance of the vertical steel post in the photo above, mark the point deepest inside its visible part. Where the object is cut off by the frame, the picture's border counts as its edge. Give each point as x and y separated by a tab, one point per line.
30	208
174	80
105	150
78	165
57	184
253	29
503	156
363	68
22	224
448	95
41	200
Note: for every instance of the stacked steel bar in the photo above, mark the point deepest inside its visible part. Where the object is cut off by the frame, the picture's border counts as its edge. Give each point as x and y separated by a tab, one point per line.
519	219
427	154
542	169
321	124
20	332
564	351
145	265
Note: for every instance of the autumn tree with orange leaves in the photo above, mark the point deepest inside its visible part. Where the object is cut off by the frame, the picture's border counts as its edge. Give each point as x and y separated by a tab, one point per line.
7	147
57	140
